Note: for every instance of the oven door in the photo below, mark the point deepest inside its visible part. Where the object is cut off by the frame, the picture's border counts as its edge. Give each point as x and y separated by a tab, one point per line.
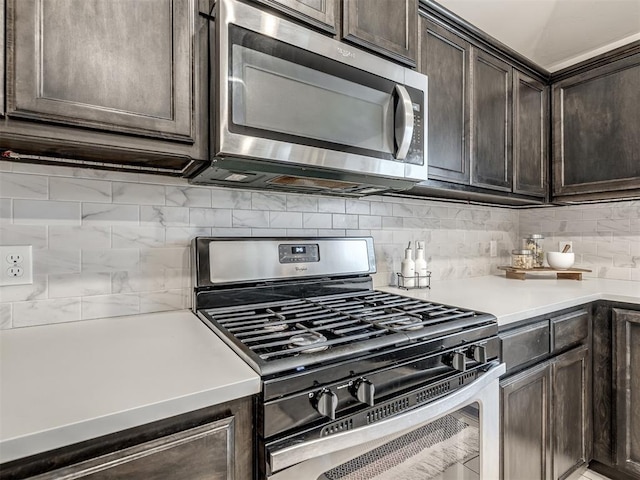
455	437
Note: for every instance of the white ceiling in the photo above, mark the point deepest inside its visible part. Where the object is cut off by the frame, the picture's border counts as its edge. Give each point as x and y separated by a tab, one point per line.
554	33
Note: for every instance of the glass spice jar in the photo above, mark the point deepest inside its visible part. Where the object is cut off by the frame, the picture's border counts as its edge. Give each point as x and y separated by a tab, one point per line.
522	259
534	243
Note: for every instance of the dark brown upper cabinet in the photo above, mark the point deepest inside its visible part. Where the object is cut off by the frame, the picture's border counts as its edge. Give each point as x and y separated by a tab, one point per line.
123	79
444	58
2	66
530	135
389	27
491	128
596	114
318	13
487	132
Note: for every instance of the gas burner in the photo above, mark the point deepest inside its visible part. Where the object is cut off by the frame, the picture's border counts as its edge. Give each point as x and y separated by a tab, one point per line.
275	327
308	339
407	324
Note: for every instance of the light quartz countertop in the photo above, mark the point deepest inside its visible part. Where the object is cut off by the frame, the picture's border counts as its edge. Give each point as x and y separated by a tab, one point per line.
65	383
69	382
514	300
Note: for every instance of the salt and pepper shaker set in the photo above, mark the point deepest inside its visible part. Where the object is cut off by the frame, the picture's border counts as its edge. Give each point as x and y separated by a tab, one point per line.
409	268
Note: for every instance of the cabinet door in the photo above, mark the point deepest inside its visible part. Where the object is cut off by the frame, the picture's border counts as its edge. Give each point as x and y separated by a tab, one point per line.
122	66
627	380
204	452
596	123
491	122
530	135
2	62
445	60
385	26
570	412
319	13
525	425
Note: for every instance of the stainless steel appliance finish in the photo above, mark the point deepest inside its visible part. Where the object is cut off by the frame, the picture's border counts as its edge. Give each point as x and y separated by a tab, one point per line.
344	368
298	111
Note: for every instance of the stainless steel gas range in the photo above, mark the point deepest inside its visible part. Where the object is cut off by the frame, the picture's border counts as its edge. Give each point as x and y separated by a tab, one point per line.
350	375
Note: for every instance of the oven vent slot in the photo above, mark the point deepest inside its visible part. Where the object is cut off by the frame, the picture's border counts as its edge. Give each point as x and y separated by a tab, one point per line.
388	409
464	379
337	427
432	392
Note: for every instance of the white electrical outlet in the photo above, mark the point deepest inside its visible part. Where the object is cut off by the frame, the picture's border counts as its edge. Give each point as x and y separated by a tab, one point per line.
493	248
561	245
16	265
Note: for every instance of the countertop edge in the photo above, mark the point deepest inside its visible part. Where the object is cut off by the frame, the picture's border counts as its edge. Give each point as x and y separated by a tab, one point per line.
39	442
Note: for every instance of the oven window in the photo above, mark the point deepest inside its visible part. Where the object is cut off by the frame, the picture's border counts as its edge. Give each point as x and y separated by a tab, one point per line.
445	449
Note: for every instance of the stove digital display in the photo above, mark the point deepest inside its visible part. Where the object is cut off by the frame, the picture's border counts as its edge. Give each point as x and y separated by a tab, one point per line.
301	253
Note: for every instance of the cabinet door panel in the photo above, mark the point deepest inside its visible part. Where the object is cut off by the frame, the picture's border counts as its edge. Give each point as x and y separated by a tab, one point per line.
530	135
627	378
385	26
445	60
202	453
525	420
319	13
491	122
122	65
596	123
2	62
571	412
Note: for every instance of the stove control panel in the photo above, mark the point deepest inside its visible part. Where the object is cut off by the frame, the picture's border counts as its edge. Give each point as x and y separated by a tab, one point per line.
299	253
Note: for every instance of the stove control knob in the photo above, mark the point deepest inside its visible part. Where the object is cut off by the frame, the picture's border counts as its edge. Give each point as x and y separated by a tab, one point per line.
457	361
478	353
326	403
364	391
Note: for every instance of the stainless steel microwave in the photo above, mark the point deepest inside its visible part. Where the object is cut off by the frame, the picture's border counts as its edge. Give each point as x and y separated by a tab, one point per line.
295	110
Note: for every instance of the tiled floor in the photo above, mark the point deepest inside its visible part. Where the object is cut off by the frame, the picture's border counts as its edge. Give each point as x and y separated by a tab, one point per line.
591	475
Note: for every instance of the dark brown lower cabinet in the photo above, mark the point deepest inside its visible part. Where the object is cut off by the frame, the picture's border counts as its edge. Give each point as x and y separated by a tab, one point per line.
627	388
525	424
570	412
215	443
546	431
616	400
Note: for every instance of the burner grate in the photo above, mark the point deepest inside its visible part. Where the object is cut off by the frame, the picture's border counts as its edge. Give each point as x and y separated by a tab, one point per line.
270	330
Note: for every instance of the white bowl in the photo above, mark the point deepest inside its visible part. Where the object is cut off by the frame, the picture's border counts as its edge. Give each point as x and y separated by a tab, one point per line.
560	261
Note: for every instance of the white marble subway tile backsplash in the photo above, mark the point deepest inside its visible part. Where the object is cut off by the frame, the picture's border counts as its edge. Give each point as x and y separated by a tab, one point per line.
114	243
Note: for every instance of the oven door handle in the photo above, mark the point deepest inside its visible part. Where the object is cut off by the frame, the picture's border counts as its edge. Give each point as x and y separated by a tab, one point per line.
291	455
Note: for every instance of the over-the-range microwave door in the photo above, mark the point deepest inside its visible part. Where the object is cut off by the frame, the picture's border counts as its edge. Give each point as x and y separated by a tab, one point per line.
288	94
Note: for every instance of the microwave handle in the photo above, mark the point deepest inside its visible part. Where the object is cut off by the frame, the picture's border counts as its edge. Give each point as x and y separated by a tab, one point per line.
404	122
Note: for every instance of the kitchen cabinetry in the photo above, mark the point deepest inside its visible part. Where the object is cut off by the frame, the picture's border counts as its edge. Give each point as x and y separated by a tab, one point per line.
115	81
596	119
491	138
616	401
214	443
488	120
627	380
546	397
2	61
318	13
387	27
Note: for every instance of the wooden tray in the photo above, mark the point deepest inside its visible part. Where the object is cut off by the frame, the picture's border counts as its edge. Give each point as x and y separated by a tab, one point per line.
520	273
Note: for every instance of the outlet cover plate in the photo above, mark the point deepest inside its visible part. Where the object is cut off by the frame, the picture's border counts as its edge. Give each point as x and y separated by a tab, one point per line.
8	266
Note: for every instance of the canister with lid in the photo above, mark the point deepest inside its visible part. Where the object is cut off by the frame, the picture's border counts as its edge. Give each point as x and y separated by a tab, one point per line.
522	259
534	243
